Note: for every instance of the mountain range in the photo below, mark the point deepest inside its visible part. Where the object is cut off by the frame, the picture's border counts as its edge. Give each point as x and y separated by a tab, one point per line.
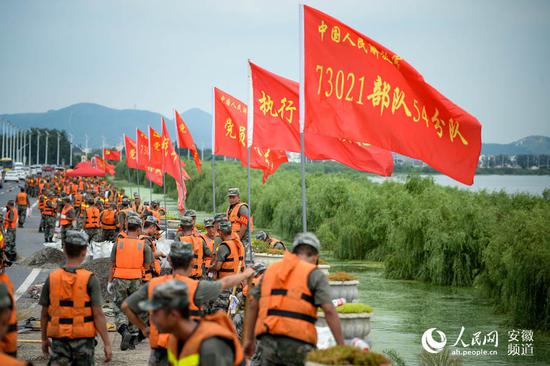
98	121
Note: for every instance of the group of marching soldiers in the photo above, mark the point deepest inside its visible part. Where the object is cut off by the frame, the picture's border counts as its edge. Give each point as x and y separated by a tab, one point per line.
205	302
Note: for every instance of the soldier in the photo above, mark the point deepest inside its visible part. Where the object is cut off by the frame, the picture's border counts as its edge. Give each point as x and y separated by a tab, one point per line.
48	213
209	240
239	216
272	243
130	258
71	309
219	217
10	225
66	218
6	306
229	260
193	215
200	292
199	246
212	341
283	306
22	202
91	221
109	222
42	198
8	343
150	234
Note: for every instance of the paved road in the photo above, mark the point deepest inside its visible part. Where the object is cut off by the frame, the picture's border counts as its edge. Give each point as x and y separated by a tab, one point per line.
28	240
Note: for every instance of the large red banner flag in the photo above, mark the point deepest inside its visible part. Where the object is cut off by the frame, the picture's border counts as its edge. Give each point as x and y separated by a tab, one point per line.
111	154
185	140
276	117
357	155
103	165
173	165
355	88
131	152
155	150
154	175
142	142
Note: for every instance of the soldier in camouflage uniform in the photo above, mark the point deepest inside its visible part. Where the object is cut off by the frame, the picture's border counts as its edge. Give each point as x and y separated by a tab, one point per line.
127	276
65	349
48	215
10	221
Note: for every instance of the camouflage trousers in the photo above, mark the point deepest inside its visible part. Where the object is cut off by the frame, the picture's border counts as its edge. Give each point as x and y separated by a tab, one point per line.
282	351
49	227
109	235
158	357
41	226
93	235
122	288
73	352
221	303
21	214
9	240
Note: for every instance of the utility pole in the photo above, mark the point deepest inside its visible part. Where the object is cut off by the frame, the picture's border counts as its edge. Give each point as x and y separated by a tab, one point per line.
3	138
23	150
46	157
86	147
38	147
71	150
57	160
30	144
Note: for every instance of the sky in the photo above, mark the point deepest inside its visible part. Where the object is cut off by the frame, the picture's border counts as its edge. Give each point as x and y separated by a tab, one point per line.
488	56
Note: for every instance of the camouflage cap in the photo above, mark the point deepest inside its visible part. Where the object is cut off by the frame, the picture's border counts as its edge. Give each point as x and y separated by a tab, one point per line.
5	298
220	217
172	294
233	192
259	267
186	221
179	249
125	202
191	213
262	235
134	220
225	225
136	195
152	220
308	239
77	237
209	222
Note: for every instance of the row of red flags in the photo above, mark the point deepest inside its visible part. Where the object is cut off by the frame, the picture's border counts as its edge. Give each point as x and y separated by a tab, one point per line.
361	102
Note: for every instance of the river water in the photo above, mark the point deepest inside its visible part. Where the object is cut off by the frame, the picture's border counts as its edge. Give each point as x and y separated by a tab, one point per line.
404	310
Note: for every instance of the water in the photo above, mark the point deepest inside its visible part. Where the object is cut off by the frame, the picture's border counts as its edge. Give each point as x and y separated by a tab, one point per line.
533	184
403	310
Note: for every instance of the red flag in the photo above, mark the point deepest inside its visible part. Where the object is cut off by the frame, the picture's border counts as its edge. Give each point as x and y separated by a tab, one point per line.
276	117
355	88
185	140
173	166
230	121
111	154
131	152
103	165
154	175
142	143
357	155
155	150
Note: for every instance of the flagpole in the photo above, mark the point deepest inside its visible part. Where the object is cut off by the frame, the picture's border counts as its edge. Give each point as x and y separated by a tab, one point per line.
250	131
137	182
302	114
179	156
213	156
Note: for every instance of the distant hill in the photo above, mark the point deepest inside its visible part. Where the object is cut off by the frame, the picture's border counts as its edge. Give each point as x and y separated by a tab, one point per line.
531	145
96	121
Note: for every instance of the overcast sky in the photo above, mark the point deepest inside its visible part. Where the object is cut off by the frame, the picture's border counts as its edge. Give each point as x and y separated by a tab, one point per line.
489	57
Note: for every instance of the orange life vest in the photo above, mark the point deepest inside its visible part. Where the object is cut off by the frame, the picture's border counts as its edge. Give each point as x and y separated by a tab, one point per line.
8	344
235	219
21	199
156	213
48	211
10	224
198	252
157	339
287	305
215	325
210	244
108	220
92	218
77	199
230	265
40	187
70	310
41	202
6	360
148	275
65	221
273	242
129	258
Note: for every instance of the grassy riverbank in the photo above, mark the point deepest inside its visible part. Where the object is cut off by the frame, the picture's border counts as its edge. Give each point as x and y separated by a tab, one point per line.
422	231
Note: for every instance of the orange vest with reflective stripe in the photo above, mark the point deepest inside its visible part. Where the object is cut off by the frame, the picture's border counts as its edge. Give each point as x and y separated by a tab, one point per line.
216	325
129	259
210	244
8	344
21	199
48	211
230	265
198	251
287	305
70	310
10	224
108	219
65	221
160	340
92	218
